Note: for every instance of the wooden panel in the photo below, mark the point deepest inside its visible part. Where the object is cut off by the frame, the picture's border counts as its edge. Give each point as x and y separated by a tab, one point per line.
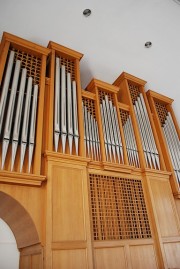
106	258
143	257
68	211
31	199
177	202
36	261
25	262
165	207
172	251
69	259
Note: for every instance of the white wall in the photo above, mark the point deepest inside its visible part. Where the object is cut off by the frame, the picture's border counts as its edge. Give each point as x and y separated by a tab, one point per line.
9	254
112	38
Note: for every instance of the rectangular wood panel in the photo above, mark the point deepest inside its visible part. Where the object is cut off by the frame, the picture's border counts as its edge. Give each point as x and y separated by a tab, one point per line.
36	261
113	258
165	207
172	251
70	259
143	257
68	204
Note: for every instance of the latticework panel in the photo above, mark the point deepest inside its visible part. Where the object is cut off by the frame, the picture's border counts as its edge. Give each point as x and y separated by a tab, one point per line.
118	208
90	105
134	92
162	112
102	95
31	63
124	116
69	65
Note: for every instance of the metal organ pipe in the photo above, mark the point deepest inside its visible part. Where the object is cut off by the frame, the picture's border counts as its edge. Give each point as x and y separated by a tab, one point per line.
172	143
33	125
10	111
148	142
91	135
16	130
65	110
24	137
5	87
57	105
112	137
20	119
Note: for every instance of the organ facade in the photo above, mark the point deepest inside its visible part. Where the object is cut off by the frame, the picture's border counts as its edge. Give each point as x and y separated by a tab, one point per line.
89	178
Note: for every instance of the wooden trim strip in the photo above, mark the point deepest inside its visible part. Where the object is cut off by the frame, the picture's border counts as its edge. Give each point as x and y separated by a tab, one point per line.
69	245
21	178
118	243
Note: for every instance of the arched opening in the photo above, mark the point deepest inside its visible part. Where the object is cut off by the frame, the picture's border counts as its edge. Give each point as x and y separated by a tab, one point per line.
21	225
8	248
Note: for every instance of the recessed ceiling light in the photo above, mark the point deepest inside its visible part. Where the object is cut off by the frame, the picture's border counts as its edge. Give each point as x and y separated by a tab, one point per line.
148	44
87	12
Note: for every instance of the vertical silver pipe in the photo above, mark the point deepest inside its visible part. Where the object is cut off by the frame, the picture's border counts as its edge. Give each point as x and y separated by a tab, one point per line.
98	140
33	125
69	112
110	124
5	87
63	108
132	149
16	130
85	137
90	135
143	135
174	136
118	135
93	136
134	142
107	129
146	132
104	132
57	105
128	147
169	138
10	112
87	130
149	129
115	133
25	122
75	117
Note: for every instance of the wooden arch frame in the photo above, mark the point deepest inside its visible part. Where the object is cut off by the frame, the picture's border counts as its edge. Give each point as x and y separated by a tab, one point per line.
19	220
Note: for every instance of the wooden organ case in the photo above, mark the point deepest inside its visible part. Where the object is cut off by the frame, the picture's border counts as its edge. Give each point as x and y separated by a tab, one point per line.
86	180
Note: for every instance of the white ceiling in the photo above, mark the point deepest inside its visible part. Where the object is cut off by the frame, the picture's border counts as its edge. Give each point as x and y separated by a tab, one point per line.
111	39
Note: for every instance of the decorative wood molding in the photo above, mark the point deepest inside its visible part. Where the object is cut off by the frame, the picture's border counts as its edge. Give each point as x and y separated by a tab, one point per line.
21	178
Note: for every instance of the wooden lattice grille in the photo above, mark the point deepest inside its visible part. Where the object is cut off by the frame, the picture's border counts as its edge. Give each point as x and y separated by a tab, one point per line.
31	63
118	208
134	92
90	105
124	116
69	65
162	112
102	95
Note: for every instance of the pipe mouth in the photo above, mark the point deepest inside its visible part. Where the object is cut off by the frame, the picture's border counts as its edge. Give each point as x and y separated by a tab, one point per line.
87	12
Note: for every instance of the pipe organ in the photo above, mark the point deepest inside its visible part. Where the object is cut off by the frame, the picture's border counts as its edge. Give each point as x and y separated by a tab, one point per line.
97	171
168	131
20	84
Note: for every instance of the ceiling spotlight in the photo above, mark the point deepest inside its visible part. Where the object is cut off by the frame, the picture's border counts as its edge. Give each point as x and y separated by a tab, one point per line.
87	12
148	44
